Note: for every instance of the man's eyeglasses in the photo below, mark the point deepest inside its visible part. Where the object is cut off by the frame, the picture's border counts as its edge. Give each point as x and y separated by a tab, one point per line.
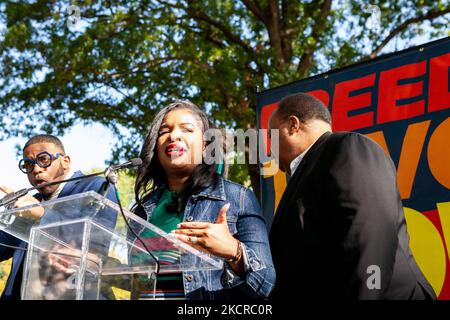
43	160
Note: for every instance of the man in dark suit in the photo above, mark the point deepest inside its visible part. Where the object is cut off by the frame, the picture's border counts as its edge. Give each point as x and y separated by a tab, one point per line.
44	160
339	230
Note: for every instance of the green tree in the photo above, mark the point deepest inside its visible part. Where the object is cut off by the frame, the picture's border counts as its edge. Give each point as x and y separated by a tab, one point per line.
125	185
124	59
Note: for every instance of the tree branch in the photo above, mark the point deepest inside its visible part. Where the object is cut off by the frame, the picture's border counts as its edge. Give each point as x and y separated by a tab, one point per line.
428	16
144	66
271	20
198	15
306	59
255	9
273	27
290	27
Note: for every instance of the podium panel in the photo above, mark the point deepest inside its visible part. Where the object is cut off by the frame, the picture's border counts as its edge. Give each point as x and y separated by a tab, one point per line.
83	249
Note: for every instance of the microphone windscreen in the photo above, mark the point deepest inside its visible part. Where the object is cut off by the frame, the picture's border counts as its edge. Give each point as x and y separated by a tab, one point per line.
136	162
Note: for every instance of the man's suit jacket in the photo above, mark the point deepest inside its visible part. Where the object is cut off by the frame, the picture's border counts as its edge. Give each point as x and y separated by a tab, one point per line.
13	284
340	223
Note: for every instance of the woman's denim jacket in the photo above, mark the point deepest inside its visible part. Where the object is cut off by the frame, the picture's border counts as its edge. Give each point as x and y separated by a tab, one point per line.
247	224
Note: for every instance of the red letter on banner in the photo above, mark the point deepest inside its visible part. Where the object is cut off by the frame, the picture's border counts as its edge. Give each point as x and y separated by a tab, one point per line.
390	91
343	103
322	95
438	94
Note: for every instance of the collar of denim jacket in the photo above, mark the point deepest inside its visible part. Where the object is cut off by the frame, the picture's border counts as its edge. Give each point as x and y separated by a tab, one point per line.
217	192
153	199
211	192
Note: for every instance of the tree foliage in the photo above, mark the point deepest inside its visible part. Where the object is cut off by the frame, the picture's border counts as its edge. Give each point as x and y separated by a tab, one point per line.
125	59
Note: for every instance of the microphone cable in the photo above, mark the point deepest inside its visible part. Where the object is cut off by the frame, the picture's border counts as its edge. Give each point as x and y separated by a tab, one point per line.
134	233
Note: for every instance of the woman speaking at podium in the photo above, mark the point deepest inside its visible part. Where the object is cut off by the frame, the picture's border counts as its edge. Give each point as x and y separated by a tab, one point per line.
179	192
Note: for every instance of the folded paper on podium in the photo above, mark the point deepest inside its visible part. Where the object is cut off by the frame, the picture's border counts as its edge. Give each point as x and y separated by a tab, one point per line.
83	249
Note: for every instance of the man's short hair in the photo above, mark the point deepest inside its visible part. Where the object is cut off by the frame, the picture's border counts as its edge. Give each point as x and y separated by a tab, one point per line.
45	138
304	106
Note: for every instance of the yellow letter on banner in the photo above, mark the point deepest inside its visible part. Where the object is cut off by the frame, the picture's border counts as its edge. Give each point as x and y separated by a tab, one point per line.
425	239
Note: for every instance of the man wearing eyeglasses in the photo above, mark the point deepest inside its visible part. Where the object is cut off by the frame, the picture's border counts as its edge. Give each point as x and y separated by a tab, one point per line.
44	160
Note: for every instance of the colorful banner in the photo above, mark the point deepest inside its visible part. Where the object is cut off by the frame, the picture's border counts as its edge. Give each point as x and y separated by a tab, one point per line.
402	101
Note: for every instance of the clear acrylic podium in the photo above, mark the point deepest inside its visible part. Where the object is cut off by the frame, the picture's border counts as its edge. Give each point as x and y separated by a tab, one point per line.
82	249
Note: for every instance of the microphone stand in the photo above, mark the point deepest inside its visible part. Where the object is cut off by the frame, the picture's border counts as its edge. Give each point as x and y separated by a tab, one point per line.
111	179
12	197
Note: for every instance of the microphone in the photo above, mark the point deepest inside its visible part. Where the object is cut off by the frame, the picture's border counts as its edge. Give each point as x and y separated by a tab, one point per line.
13	196
135	162
111	173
